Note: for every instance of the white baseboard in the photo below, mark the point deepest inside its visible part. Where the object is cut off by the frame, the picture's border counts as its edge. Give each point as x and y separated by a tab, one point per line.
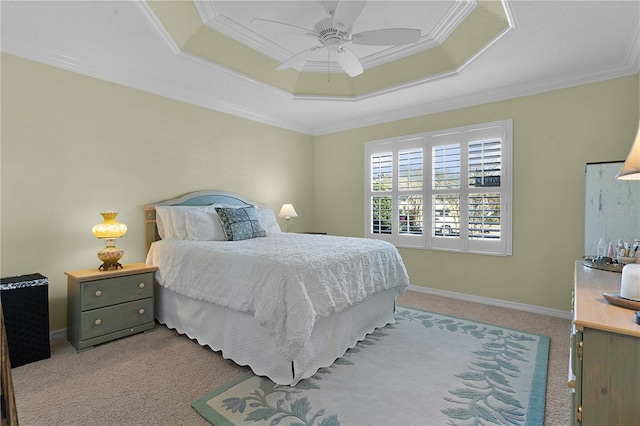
493	302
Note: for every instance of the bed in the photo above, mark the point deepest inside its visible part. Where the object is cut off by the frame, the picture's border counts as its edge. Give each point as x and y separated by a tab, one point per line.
284	304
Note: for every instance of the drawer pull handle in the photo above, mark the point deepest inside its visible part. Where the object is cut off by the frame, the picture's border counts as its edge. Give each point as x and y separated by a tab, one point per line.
98	293
141	311
98	321
141	285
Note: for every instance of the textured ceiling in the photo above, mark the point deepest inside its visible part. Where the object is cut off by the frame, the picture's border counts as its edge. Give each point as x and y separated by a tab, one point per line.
210	54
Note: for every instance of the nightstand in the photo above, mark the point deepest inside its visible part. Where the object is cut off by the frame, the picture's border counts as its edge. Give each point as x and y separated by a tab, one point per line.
107	305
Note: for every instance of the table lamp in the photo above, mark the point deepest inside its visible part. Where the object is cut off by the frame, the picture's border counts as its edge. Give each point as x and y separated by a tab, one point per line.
287	211
109	230
630	283
631	167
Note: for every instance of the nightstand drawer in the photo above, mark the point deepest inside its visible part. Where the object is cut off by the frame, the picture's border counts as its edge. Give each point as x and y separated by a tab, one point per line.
110	291
97	322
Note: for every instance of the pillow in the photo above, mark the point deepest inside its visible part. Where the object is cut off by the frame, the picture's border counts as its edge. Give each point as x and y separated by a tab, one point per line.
240	223
164	222
172	220
268	220
179	220
204	225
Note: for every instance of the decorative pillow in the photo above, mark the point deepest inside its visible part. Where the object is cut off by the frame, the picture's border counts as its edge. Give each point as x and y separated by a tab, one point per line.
240	223
268	220
204	225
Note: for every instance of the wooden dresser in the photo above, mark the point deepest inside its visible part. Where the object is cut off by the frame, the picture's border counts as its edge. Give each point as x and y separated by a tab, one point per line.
605	355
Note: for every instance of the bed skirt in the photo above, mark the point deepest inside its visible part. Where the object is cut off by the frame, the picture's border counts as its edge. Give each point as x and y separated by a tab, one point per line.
239	337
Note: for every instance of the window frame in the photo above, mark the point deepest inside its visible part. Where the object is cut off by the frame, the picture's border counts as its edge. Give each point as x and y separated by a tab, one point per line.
463	136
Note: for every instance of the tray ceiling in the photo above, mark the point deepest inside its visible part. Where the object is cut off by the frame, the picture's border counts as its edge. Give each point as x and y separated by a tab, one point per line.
209	53
453	33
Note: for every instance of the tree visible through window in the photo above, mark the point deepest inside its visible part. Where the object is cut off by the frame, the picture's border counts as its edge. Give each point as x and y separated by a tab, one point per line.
448	190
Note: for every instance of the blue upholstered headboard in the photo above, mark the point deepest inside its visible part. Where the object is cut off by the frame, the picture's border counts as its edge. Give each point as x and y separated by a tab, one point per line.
198	198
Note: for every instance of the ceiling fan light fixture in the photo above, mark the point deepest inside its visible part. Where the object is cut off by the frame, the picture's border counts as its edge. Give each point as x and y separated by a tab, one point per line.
334	32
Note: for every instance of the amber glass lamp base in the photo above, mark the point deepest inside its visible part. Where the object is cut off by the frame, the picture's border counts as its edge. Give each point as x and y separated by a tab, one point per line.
110	255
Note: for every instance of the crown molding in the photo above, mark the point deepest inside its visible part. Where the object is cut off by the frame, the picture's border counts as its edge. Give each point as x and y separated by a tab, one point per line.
213	19
210	15
132	77
207	10
232	29
157	27
148	84
422	81
502	94
633	54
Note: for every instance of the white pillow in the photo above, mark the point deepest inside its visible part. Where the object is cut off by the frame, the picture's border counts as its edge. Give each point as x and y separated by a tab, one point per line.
204	225
172	220
179	219
268	220
164	222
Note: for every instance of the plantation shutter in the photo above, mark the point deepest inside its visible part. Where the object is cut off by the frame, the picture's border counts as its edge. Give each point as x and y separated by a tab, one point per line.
443	190
381	186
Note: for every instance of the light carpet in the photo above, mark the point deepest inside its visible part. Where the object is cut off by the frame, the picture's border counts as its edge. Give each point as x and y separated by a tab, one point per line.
426	369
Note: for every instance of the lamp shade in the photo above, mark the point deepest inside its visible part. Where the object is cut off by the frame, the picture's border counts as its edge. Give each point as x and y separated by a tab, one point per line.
110	228
631	168
287	211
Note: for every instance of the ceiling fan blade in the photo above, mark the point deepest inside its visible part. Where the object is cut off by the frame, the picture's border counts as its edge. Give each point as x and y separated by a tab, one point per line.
387	37
295	28
349	62
347	12
296	59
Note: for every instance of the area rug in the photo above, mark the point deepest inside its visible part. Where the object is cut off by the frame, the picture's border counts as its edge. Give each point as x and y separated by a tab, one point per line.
426	369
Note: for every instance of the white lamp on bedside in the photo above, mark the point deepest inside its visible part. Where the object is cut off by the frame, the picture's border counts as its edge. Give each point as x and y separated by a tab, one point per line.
287	211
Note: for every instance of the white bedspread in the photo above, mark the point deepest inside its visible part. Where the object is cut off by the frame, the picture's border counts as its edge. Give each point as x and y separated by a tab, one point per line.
285	280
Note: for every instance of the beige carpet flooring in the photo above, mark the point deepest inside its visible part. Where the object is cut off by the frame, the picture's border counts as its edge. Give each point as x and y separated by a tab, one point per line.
152	378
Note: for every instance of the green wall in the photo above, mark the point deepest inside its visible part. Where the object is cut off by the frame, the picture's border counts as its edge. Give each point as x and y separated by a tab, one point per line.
73	146
555	135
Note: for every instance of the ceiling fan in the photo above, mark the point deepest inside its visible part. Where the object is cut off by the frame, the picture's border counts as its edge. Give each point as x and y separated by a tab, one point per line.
334	34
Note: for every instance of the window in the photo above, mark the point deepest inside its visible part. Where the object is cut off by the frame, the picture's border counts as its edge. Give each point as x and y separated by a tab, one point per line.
444	190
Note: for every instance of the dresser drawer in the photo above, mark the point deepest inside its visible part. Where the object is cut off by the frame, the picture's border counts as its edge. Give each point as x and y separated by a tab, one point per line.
110	291
97	322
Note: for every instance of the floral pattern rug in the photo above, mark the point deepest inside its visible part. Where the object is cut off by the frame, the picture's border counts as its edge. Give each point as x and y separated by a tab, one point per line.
426	369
